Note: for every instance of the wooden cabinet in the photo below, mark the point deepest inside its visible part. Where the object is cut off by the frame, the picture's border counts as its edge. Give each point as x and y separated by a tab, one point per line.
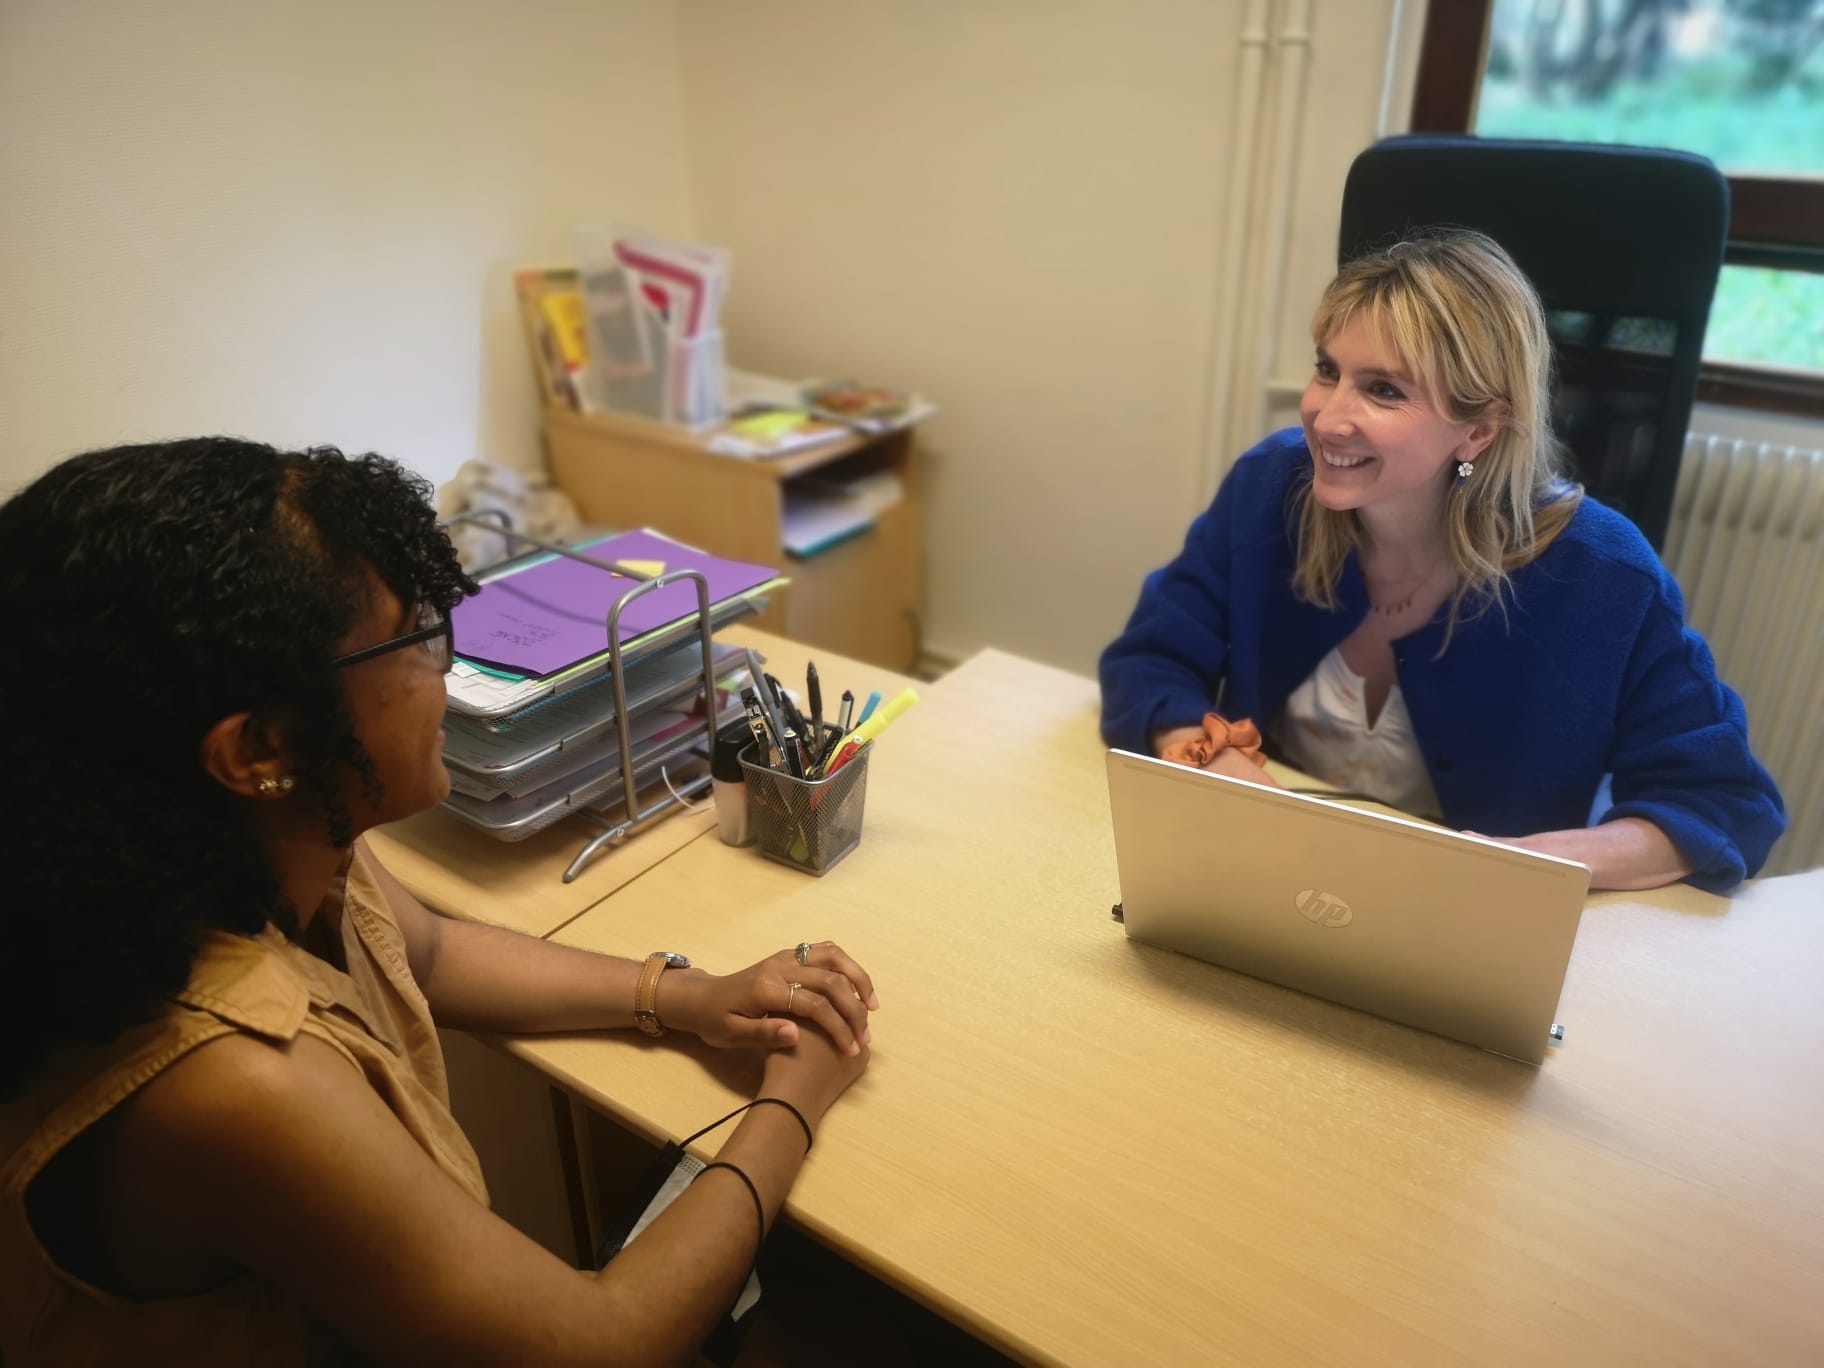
863	597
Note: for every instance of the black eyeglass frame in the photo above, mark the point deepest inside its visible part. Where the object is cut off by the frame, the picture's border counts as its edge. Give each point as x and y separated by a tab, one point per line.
399	643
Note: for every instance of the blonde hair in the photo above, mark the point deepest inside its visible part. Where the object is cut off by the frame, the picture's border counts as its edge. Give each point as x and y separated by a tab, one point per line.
1458	313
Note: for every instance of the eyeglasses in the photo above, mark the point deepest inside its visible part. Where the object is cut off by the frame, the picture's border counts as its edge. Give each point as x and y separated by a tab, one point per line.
432	633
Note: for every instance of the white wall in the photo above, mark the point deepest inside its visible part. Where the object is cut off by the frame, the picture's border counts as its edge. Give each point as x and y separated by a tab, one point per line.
1017	207
295	219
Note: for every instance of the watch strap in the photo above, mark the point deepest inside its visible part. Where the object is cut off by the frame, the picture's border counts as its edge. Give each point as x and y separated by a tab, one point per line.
646	994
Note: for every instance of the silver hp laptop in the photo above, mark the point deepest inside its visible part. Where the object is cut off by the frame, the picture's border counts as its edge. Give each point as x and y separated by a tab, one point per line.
1421	925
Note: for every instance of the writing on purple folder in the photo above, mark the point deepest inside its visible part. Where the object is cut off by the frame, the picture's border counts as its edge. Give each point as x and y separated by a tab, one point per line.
539	621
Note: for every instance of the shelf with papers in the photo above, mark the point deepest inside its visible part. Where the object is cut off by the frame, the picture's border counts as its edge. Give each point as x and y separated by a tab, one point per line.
862	596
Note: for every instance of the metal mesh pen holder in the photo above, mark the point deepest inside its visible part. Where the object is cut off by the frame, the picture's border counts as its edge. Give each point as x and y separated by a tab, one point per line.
809	824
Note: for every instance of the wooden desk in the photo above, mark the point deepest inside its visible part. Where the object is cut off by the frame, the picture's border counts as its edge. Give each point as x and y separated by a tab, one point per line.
1089	1151
449	865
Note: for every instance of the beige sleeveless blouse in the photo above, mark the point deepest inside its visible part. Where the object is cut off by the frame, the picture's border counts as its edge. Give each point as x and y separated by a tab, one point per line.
264	986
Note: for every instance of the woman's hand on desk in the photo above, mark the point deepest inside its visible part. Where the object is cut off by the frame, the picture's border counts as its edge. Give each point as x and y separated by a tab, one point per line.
1228	761
1234	765
1626	853
759	1006
812	1074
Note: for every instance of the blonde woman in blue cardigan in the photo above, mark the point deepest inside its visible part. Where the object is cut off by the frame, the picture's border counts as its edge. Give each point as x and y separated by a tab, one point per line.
1410	600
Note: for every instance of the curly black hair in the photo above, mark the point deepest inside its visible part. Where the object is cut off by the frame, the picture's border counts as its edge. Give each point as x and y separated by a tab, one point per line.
152	591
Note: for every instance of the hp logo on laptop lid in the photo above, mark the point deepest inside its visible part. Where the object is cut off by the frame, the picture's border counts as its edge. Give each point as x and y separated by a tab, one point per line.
1322	909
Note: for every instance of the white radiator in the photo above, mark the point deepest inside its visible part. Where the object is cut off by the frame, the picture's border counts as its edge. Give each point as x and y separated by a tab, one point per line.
1747	548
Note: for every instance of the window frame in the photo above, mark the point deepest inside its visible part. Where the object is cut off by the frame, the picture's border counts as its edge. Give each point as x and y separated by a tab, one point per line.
1772	221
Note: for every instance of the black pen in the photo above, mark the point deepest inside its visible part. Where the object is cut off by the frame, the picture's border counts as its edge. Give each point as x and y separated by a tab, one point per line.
788	709
793	760
773	720
826	752
842	718
814	691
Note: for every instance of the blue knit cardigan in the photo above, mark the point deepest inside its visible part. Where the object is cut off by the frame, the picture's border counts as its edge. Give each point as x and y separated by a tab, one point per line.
1590	672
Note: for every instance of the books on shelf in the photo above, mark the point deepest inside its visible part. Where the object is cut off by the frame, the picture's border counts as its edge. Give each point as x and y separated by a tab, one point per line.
551	312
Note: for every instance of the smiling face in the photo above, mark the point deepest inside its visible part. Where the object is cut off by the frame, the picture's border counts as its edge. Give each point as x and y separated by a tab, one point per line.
1378	440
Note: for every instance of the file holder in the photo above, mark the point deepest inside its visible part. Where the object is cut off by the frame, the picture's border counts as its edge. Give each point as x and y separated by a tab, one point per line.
809	824
616	828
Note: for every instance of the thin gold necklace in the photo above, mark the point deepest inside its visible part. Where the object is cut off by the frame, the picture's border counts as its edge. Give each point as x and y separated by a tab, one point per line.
1395	609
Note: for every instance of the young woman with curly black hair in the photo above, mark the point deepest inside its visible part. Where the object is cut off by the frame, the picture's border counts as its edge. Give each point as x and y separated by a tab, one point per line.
224	1129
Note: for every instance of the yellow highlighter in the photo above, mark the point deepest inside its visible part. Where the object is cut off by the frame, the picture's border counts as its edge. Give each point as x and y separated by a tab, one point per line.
879	721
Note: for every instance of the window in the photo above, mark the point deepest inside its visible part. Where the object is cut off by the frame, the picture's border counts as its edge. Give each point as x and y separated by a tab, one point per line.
1739	81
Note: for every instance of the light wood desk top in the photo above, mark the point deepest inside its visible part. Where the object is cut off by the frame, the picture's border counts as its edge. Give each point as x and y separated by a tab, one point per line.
449	865
1089	1151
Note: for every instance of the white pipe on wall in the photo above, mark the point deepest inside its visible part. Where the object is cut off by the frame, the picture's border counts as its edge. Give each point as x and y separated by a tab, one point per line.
1292	54
1390	73
1234	250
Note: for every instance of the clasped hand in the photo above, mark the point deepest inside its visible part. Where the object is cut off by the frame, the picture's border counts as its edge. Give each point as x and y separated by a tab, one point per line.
759	1006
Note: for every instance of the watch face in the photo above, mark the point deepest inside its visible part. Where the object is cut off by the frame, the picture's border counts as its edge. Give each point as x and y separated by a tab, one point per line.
671	961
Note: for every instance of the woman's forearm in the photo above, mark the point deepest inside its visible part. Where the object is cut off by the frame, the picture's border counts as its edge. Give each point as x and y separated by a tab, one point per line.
486	978
695	1256
1627	853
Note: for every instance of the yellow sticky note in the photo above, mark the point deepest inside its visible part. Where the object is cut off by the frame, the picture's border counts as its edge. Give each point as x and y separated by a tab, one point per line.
650	568
768	426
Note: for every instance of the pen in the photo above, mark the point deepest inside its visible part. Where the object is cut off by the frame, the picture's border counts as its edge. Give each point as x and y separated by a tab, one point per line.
813	690
788	710
793	760
842	717
867	709
866	731
783	701
767	705
826	752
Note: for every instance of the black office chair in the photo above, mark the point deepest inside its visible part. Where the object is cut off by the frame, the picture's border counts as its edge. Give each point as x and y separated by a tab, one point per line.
1624	245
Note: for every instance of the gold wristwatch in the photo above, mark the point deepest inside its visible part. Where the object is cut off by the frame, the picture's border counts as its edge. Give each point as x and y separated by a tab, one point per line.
646	993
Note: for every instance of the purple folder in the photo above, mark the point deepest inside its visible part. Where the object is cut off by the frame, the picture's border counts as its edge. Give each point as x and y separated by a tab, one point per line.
544	619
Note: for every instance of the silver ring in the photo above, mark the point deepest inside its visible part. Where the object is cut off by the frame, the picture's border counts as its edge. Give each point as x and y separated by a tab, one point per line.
803	952
791	991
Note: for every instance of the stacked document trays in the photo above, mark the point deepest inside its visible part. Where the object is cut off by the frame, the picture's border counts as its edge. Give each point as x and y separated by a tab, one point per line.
547	721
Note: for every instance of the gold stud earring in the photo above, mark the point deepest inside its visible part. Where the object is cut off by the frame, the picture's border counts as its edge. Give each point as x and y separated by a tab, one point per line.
270	786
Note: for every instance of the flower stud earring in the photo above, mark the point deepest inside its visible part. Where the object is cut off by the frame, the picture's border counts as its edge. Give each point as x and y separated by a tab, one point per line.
270	787
1464	470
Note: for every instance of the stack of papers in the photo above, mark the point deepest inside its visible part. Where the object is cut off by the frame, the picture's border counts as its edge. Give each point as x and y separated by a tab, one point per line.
821	514
773	432
546	616
502	754
539	628
654	313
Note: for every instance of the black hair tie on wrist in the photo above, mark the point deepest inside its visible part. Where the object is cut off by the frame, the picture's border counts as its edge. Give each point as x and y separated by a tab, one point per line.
689	1140
752	1191
796	1115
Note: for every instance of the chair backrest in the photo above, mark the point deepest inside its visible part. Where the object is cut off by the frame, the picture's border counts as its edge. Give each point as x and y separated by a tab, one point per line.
1623	244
